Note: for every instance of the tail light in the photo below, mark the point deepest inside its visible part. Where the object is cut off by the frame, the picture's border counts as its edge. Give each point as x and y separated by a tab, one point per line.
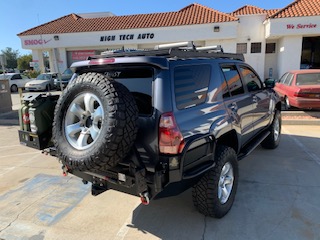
306	94
170	138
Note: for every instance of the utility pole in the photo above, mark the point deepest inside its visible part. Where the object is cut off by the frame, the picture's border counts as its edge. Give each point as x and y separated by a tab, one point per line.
3	62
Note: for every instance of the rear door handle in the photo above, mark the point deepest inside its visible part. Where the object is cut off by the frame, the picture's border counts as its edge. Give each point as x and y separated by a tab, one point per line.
234	106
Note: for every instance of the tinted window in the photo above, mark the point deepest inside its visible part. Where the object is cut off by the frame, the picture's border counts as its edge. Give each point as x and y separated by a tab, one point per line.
250	79
16	76
191	85
233	80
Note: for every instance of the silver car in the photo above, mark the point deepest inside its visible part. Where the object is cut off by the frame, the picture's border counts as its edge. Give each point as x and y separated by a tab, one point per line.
44	82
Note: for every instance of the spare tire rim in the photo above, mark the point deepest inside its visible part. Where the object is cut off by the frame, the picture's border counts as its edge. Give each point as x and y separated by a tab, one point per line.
225	183
83	121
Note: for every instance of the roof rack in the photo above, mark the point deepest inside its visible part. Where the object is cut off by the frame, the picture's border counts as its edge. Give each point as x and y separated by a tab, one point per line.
177	51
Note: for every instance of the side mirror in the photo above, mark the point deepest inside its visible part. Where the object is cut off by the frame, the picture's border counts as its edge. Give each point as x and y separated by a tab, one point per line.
270	82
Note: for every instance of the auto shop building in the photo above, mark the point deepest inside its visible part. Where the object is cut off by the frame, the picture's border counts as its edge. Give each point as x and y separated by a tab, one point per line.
272	41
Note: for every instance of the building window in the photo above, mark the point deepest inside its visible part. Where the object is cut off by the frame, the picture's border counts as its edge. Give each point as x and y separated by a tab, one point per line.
241	47
256	47
270	47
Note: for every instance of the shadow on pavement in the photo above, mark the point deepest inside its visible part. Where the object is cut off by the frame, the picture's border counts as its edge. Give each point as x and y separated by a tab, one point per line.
277	198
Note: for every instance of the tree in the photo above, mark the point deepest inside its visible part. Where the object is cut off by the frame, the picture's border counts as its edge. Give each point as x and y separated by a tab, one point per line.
24	61
11	56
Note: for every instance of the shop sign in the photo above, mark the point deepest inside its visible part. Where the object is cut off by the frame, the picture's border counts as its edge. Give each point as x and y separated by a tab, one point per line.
34	42
301	26
82	54
126	37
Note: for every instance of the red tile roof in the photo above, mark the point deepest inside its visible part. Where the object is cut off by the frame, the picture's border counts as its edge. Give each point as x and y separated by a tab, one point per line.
192	14
272	11
251	10
299	8
247	10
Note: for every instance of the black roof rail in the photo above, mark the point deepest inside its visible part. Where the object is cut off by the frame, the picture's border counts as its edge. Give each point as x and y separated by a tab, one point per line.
178	53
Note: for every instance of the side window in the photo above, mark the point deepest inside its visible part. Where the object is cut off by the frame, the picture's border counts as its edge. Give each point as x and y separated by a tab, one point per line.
250	79
288	79
233	80
16	77
283	78
191	85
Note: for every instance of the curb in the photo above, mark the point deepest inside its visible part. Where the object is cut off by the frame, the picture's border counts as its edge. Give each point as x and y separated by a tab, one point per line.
300	117
301	122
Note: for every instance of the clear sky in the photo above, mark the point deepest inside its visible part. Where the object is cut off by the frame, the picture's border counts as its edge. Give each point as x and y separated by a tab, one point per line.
19	15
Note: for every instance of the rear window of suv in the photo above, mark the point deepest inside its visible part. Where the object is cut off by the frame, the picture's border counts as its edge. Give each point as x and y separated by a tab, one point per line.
139	82
191	85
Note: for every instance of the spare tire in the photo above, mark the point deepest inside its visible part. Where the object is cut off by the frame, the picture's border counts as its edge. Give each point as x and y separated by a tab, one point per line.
95	123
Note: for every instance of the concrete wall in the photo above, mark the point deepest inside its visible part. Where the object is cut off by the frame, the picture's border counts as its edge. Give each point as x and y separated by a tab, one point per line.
289	54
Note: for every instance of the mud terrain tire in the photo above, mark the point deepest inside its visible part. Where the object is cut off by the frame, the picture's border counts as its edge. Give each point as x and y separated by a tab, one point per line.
214	194
95	123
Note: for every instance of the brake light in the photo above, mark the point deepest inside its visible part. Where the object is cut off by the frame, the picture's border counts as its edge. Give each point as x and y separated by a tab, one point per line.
306	95
101	61
170	138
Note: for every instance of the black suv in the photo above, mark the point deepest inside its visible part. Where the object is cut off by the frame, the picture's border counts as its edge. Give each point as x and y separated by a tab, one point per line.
153	123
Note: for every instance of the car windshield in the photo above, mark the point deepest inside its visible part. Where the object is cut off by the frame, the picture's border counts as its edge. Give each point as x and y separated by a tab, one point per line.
43	77
67	71
308	79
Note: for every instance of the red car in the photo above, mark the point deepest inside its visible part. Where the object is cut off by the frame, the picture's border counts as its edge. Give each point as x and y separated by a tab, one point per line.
300	89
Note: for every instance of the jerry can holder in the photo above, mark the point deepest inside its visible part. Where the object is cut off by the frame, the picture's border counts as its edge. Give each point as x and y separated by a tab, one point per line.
37	141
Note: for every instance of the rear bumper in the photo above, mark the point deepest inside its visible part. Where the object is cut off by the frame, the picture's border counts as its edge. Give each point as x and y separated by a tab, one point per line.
34	88
305	102
57	84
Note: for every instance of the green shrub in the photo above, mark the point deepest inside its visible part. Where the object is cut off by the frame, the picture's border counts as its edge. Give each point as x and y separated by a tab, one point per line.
32	73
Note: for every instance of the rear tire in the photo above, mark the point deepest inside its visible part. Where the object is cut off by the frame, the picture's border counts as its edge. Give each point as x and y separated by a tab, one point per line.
214	194
287	105
95	123
14	88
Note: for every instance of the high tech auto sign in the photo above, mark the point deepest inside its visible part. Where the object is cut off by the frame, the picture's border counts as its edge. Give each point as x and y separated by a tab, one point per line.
126	37
35	42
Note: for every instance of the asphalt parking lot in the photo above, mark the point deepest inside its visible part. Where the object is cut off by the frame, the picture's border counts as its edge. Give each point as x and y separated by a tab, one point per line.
278	198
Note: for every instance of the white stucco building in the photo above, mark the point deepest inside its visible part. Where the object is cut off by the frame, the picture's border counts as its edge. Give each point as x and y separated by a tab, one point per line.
272	41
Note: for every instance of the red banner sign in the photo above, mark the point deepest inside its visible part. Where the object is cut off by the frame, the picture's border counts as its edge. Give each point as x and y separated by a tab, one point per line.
82	54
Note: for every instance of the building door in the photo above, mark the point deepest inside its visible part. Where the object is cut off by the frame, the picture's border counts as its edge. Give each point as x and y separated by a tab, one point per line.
310	56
